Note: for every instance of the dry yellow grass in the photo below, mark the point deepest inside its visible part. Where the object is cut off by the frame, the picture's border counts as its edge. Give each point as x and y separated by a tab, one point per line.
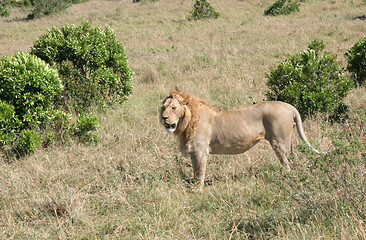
131	185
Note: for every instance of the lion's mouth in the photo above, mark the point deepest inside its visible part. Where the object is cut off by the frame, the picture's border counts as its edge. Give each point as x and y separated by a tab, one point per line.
170	128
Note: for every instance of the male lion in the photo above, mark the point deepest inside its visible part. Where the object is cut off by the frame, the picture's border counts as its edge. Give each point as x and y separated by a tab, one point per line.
204	129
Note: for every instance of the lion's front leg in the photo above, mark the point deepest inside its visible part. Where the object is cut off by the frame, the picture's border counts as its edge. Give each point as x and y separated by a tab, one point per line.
199	162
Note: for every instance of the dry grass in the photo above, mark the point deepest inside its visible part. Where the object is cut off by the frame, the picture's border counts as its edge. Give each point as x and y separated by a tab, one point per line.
132	184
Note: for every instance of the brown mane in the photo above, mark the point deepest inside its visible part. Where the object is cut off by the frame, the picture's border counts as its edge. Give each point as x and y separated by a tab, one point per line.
190	121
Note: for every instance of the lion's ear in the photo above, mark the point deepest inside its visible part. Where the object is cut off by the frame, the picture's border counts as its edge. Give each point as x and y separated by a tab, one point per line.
166	98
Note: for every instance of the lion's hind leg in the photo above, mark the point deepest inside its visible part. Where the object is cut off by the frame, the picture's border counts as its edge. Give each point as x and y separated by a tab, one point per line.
282	146
279	136
281	149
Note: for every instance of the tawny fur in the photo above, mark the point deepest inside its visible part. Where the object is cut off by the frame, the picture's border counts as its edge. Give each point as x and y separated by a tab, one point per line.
203	129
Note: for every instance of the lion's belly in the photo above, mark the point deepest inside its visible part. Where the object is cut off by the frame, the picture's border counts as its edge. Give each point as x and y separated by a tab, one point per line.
233	148
227	150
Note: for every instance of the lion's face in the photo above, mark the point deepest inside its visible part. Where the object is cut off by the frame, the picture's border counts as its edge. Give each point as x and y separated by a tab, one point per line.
171	113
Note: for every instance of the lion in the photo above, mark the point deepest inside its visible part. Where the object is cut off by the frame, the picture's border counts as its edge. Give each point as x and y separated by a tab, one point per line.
203	129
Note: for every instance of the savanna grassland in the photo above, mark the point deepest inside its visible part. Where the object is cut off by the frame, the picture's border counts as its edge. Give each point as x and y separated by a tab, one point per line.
132	184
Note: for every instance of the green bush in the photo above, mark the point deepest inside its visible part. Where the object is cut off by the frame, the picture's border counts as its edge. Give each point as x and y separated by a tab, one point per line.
282	7
28	87
310	81
357	61
203	9
9	123
92	63
27	142
86	123
317	45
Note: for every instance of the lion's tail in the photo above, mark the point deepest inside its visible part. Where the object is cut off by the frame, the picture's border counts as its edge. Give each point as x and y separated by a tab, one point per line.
300	130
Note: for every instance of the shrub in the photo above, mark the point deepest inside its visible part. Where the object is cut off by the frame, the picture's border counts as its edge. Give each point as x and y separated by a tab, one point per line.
282	7
203	9
27	142
92	63
310	81
9	123
28	87
86	124
317	46
357	61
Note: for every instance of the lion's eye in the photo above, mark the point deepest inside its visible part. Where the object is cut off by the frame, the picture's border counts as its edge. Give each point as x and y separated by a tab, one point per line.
173	108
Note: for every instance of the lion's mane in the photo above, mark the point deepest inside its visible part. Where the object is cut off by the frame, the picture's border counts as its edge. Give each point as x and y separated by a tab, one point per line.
188	124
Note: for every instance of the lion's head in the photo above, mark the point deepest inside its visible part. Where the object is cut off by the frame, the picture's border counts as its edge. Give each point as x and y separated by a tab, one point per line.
172	113
179	113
